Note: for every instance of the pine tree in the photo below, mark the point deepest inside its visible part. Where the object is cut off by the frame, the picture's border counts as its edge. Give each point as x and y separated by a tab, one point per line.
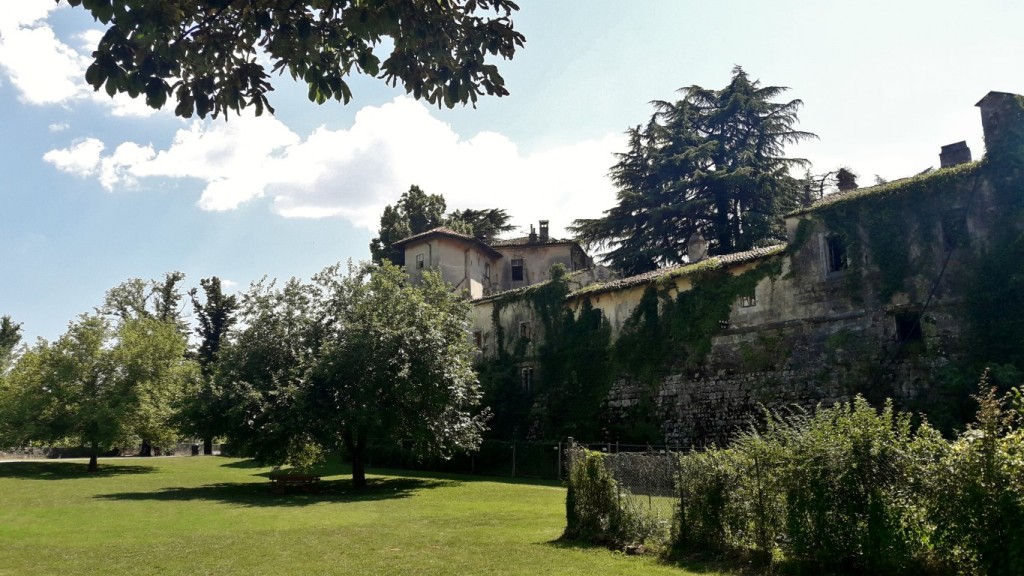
712	164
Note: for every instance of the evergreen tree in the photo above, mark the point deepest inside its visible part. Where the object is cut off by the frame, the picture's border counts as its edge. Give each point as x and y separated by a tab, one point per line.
712	164
416	212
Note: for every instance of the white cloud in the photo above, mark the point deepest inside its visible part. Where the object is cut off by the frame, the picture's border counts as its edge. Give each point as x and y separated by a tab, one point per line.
354	173
82	158
117	168
43	68
59	126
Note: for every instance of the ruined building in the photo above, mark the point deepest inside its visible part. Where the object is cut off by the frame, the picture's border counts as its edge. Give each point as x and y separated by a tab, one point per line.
903	290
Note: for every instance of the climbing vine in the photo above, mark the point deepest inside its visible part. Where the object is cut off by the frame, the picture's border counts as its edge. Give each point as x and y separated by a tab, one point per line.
664	332
573	364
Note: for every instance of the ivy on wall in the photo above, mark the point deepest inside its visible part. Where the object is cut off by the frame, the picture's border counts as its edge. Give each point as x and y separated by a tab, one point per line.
573	374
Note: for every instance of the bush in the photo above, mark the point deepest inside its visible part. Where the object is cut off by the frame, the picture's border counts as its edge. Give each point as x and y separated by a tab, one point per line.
976	495
595	508
833	489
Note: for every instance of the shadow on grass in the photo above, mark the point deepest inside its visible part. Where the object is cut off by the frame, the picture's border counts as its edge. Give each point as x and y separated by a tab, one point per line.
691	563
527	481
241	464
50	470
259	493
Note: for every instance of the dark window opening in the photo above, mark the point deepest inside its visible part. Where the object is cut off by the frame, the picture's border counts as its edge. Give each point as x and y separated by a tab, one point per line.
487	273
954	230
517	270
527	374
419	261
836	254
524	330
478	339
908	327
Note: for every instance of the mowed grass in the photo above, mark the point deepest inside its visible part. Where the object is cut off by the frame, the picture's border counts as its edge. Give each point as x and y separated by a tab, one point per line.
217	516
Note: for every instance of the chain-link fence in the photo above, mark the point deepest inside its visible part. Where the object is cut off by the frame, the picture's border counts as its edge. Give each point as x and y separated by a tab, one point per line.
640	480
494	458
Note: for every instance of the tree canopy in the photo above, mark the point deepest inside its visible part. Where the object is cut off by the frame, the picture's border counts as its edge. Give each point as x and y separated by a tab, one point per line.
202	413
10	336
212	56
349	358
416	212
98	386
710	163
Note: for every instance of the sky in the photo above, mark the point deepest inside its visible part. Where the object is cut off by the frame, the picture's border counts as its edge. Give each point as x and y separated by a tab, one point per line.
98	190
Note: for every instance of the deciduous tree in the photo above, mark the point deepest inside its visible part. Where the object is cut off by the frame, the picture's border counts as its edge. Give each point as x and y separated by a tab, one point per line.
710	163
10	336
350	358
212	56
202	413
97	386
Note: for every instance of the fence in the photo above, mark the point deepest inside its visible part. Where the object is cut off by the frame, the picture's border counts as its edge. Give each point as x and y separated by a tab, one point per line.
511	459
643	489
494	458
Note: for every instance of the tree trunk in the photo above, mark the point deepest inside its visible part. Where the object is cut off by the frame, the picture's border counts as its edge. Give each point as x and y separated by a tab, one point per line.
147	449
357	449
94	464
208	446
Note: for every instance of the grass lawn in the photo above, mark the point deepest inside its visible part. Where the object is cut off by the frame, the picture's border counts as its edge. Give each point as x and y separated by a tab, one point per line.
217	516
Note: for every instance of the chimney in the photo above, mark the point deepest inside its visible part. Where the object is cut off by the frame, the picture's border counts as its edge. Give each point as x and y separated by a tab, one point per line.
533	235
954	154
1002	118
696	248
846	180
543	231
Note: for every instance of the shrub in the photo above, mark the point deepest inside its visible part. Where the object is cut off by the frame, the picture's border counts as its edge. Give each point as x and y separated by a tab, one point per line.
836	488
976	496
848	487
708	518
595	508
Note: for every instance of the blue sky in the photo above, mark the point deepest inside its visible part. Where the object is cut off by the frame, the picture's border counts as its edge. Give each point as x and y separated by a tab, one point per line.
96	191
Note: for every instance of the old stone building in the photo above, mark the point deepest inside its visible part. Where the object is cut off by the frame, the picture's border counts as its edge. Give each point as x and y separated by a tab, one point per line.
482	269
892	291
886	291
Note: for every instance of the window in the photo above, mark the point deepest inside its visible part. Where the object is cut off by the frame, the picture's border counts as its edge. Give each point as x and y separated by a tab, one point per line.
517	270
908	327
487	272
954	229
527	375
835	254
748	300
419	261
524	330
478	339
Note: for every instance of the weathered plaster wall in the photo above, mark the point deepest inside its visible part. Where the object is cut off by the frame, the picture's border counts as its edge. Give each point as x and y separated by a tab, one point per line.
537	262
462	264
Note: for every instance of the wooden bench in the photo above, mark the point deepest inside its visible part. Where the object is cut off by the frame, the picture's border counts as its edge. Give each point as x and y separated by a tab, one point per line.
279	483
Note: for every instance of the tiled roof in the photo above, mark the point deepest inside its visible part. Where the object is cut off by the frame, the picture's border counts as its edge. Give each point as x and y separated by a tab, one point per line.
444	231
525	241
889	188
439	230
682	270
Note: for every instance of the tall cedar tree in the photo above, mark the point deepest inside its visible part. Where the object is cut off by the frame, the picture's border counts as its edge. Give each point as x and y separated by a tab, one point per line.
416	211
711	163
